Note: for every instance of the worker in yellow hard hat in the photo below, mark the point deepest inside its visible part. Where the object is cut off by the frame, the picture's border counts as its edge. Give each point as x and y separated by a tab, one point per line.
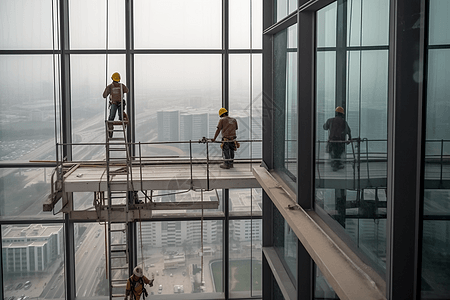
338	132
228	126
116	91
135	284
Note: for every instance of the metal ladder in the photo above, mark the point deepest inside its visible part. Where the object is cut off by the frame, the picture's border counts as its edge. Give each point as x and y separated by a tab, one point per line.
118	165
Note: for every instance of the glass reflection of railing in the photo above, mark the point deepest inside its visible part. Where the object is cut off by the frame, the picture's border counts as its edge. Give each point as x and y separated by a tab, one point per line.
436	154
362	152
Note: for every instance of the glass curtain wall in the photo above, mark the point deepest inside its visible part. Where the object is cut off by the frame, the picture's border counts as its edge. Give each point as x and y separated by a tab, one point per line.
436	211
285	103
351	121
175	69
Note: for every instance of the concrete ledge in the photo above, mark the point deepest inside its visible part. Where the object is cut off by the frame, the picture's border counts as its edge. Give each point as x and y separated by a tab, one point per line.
347	278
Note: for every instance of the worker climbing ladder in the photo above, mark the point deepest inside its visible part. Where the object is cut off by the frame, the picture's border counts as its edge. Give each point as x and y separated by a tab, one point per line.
118	165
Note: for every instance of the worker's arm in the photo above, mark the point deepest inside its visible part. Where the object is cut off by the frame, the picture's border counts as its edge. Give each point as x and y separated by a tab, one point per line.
125	89
106	92
216	134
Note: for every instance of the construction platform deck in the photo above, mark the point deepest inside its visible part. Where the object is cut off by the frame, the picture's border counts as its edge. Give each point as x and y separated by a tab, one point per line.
164	176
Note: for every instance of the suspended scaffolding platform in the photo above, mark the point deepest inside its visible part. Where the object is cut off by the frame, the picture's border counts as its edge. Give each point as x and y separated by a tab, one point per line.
142	177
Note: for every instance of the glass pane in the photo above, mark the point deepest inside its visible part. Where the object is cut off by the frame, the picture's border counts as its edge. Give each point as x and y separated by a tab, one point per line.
33	261
285	98
323	289
351	131
23	192
283	8
436	226
374	22
27	104
439	22
326	26
241	108
285	243
90	33
18	17
245	201
245	258
90	264
240	14
89	108
180	260
194	24
177	99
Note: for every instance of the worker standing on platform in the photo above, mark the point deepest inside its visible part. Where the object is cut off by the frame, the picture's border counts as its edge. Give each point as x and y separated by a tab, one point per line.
228	127
116	91
338	132
135	285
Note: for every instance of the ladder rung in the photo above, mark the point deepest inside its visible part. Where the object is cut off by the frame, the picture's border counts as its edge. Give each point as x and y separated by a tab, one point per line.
118	295
123	285
119	280
118	230
117	245
117	149
117	257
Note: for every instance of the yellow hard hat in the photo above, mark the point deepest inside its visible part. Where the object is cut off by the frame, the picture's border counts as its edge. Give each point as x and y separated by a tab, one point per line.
339	109
222	111
115	77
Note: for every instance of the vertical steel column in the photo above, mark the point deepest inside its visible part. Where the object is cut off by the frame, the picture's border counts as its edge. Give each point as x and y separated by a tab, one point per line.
267	148
225	54
129	44
66	138
225	103
226	240
267	79
405	149
305	153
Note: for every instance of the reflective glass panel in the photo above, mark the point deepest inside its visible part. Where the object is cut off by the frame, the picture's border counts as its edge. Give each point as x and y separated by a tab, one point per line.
27	108
177	99
33	261
285	243
241	12
180	258
91	19
283	8
89	108
326	22
18	17
23	192
246	103
245	201
245	258
323	289
367	22
439	22
194	24
436	226
285	99
351	129
90	264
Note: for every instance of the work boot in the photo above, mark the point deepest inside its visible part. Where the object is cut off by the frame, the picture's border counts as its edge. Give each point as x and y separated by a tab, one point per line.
231	166
224	166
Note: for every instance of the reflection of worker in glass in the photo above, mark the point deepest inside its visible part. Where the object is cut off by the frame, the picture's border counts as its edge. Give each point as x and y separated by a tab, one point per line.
338	131
228	126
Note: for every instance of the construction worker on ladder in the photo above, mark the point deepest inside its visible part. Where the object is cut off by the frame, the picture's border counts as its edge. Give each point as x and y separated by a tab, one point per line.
228	126
116	90
135	285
